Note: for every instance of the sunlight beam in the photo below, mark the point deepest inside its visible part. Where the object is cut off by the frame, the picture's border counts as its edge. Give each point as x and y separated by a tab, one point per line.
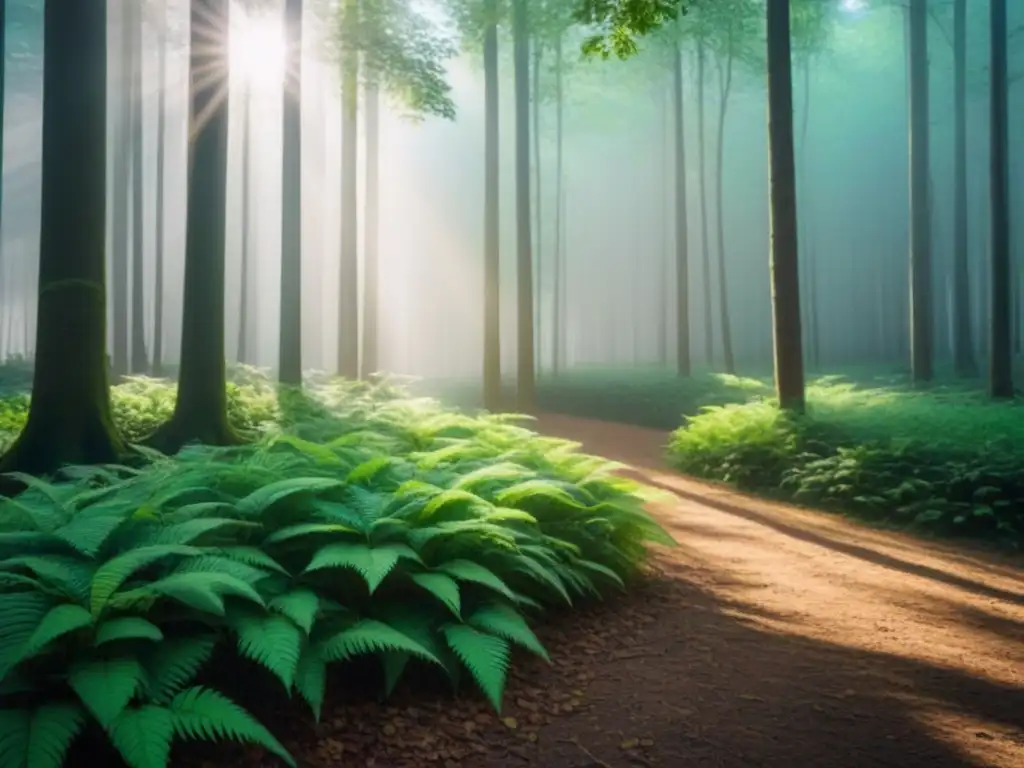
257	52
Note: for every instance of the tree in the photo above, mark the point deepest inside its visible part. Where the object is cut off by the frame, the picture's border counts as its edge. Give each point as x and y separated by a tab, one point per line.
525	357
138	363
69	420
682	291
963	349
492	252
200	411
244	294
290	343
161	156
371	280
785	274
121	182
1001	350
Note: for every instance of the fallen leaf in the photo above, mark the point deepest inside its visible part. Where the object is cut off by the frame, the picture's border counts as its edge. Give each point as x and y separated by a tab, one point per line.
510	722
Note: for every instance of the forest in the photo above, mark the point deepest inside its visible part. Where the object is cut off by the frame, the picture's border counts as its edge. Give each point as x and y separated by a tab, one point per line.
482	383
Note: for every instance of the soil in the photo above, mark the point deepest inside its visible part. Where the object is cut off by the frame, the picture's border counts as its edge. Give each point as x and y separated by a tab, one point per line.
772	636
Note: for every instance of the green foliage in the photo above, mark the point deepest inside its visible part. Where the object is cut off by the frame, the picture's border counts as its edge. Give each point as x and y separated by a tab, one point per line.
360	525
945	461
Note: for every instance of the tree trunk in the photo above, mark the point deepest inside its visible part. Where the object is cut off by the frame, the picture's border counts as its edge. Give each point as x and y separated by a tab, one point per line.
725	84
538	211
289	366
139	363
348	295
161	154
963	348
246	227
785	273
492	254
1001	344
525	378
921	325
121	181
371	255
663	288
682	286
705	252
200	413
69	419
558	319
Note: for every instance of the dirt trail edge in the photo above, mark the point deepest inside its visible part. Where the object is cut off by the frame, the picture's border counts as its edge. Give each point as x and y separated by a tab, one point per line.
780	637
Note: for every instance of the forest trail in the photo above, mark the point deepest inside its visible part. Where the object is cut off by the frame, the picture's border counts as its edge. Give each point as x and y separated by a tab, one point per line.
780	637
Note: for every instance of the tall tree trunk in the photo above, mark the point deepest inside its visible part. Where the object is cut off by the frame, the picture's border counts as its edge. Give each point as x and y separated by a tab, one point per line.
705	251
371	255
244	279
809	302
139	363
664	146
963	348
289	362
492	253
785	272
921	321
69	419
558	257
161	155
725	87
348	297
525	376
682	287
200	413
538	211
1001	344
121	181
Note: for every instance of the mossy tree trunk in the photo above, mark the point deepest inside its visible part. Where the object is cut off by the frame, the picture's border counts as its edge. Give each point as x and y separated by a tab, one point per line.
682	286
705	251
290	344
785	273
371	253
138	363
69	419
525	358
492	247
1001	275
200	413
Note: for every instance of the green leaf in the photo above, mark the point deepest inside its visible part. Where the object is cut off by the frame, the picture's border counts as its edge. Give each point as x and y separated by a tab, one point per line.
503	621
274	642
443	587
202	713
143	736
484	655
21	613
299	605
58	621
253	556
203	591
173	664
372	563
69	574
267	496
88	533
366	471
113	573
467	570
39	738
311	680
369	636
307	529
127	628
106	686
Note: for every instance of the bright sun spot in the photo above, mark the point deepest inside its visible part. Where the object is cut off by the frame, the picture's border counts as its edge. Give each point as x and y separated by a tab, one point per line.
257	48
853	6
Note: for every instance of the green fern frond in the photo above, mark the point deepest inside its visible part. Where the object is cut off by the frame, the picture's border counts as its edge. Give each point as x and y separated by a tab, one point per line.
253	556
484	655
202	713
369	636
113	573
273	642
603	571
299	605
311	680
467	570
366	471
309	529
143	736
69	575
88	533
106	686
202	591
394	664
443	587
548	491
372	563
191	530
454	497
127	628
173	664
262	499
490	473
44	518
504	621
21	612
39	738
542	573
59	621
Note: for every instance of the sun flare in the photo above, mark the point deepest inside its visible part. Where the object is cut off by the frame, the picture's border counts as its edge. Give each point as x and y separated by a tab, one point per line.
256	48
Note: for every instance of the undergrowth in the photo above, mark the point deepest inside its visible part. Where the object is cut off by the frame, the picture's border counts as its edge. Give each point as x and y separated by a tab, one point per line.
359	524
946	461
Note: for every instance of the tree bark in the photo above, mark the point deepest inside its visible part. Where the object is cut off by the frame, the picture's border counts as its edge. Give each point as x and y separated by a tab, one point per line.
200	412
161	155
1001	344
69	420
963	348
558	287
725	83
538	211
348	295
525	369
371	254
705	251
683	367
139	363
921	321
289	370
492	254
785	273
121	180
243	292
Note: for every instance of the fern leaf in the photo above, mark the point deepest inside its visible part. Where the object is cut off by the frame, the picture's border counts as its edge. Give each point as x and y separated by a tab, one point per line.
68	574
370	636
443	587
489	473
449	497
105	686
262	499
39	738
189	531
311	680
372	563
113	573
273	642
127	628
58	621
506	622
202	713
255	557
484	655
307	529
88	533
368	469
548	491
543	574
467	570
143	736
299	605
21	613
203	591
394	663
174	664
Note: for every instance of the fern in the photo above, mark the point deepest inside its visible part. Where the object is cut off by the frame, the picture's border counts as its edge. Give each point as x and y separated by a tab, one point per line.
372	563
274	642
485	656
39	738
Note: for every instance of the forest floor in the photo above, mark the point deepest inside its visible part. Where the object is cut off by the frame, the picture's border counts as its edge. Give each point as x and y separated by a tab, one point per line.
772	636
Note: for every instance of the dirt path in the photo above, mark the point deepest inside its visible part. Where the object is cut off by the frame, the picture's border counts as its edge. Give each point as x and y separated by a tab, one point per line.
771	637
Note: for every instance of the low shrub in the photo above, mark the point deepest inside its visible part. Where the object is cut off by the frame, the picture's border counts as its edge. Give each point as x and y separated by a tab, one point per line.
412	534
946	461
